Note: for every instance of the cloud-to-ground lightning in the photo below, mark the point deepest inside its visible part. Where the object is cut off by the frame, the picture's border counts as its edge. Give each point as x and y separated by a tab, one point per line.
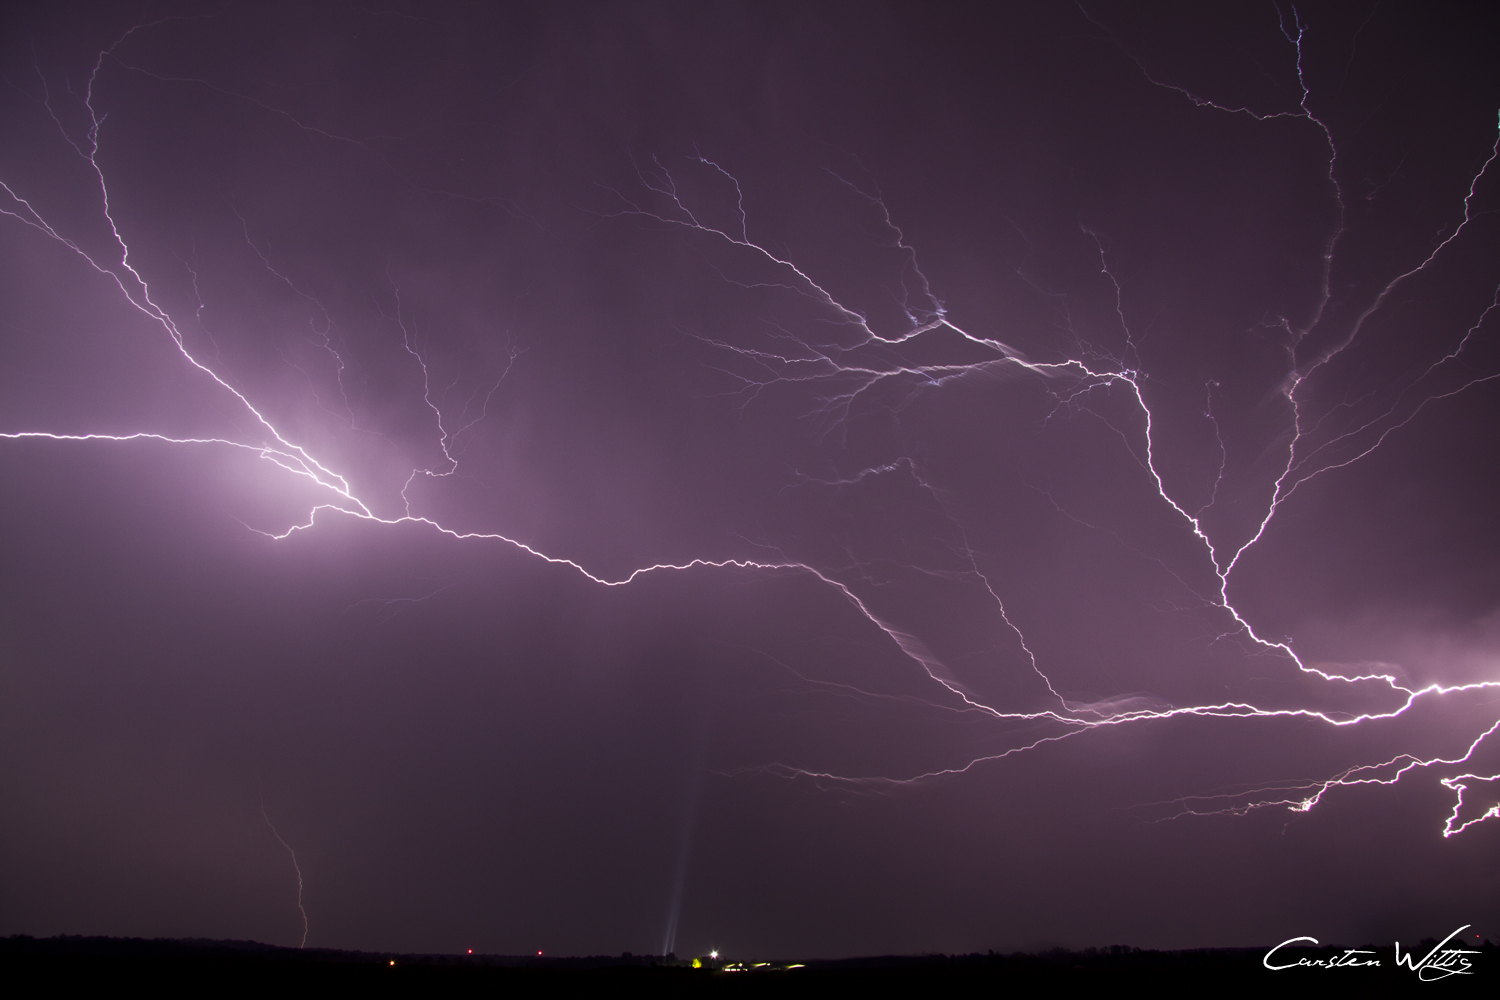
842	361
295	867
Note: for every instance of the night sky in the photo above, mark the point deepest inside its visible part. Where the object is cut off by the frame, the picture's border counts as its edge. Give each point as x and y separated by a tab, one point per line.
800	479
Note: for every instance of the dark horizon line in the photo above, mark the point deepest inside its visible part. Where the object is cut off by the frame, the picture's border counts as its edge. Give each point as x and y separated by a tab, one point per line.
106	946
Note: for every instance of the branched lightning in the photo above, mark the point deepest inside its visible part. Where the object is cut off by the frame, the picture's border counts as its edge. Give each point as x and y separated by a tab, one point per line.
847	366
1459	785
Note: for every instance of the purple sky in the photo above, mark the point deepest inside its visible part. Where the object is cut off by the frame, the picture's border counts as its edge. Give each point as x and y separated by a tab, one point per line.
1089	414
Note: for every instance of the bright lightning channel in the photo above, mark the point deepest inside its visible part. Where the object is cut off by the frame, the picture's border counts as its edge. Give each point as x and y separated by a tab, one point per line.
1071	382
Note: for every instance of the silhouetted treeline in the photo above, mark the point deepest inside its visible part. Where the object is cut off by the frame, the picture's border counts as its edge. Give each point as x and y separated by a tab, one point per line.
225	965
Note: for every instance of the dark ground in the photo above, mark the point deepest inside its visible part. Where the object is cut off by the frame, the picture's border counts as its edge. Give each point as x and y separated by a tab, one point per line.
224	965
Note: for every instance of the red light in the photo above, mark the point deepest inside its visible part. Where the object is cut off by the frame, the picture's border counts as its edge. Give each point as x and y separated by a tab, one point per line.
471	951
539	953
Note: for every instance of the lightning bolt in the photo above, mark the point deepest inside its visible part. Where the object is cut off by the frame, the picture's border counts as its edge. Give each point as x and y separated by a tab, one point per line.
850	362
295	867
